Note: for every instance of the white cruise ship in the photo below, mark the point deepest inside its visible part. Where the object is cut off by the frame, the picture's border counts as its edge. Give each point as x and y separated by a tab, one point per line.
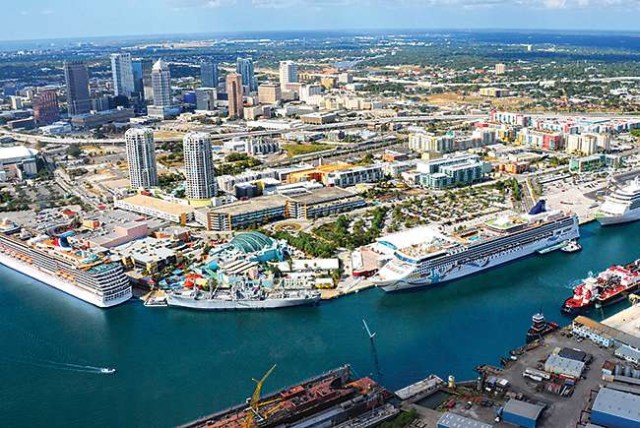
621	206
87	276
439	258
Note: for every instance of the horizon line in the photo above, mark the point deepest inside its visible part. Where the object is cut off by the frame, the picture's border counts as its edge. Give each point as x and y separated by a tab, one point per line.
339	31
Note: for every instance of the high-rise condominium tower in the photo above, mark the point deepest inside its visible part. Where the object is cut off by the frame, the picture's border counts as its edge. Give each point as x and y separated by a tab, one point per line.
141	155
198	166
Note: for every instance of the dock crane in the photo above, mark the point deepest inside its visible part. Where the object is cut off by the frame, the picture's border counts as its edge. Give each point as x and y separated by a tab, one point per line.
254	403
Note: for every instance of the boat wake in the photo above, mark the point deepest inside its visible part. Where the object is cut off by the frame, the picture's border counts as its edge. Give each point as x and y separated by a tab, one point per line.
57	365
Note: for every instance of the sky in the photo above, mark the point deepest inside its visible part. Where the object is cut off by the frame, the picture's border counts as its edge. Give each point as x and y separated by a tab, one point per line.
44	19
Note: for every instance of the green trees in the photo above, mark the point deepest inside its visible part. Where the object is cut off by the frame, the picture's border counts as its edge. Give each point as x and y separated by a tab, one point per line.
308	244
340	234
74	150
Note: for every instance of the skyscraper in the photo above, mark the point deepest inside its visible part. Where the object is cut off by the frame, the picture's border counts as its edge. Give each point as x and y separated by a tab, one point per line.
234	92
244	67
209	74
206	98
76	77
45	106
141	155
142	85
288	73
122	74
161	81
198	166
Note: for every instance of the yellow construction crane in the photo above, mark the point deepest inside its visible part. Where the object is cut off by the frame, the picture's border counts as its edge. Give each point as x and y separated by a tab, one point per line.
254	404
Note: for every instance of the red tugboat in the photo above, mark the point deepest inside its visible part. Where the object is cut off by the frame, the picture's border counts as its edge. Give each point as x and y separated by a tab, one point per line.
540	327
609	287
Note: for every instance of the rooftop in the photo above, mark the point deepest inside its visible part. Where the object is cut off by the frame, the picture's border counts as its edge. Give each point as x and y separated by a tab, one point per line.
158	204
324	194
452	420
249	206
251	242
617	403
16	152
524	409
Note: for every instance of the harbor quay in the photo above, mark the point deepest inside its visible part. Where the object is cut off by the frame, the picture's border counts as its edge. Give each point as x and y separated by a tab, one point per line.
576	376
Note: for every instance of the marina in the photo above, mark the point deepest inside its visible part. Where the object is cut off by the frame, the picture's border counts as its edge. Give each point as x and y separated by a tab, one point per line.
228	348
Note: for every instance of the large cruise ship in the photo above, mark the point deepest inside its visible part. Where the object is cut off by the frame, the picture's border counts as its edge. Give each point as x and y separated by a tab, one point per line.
88	276
439	257
621	206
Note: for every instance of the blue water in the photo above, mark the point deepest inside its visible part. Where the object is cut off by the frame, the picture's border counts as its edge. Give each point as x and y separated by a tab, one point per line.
174	365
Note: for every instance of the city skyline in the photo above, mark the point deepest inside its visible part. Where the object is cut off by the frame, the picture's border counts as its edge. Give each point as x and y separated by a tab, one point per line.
219	16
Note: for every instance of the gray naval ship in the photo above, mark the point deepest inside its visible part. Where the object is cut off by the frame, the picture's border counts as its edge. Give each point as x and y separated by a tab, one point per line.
242	296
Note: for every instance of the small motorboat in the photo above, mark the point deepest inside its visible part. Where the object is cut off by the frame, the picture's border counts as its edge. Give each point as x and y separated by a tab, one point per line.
571	247
107	370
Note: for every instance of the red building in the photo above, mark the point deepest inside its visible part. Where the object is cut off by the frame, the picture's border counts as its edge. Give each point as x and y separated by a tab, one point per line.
45	107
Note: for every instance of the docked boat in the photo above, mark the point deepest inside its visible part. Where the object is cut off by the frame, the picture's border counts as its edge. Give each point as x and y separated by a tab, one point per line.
607	288
242	296
540	327
438	257
571	247
88	276
621	206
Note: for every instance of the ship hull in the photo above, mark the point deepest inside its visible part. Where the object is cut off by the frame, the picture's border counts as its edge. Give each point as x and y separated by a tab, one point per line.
627	217
237	305
475	266
574	311
58	284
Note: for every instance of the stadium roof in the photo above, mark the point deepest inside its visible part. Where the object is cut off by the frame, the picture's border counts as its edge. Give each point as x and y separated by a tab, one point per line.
16	152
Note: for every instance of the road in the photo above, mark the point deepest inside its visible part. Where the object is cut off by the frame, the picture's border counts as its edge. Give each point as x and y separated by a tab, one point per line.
34	139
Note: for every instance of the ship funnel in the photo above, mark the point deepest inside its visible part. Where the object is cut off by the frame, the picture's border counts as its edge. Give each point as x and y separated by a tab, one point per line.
539	208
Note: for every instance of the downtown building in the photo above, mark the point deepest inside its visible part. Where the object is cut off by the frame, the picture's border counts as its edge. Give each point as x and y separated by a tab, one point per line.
162	106
141	69
76	78
141	156
45	106
244	67
122	74
209	74
198	166
206	98
234	94
288	74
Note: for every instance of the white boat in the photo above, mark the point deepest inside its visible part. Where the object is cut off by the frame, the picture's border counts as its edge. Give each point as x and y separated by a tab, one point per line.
155	302
242	297
87	276
107	370
571	247
621	206
440	258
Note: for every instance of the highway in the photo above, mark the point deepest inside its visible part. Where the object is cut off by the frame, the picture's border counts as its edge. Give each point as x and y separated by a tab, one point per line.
34	139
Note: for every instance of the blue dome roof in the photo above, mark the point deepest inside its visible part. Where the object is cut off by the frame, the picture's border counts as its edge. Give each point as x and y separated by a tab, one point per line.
251	242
